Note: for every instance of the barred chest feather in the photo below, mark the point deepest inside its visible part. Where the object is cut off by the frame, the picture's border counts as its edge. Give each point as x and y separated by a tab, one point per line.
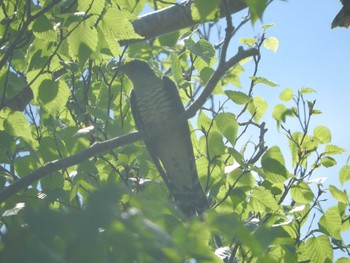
155	107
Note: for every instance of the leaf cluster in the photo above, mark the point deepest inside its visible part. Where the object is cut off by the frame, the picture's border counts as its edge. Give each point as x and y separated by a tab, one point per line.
113	206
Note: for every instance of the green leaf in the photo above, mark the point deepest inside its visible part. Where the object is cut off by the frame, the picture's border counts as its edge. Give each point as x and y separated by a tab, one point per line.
43	29
203	49
262	80
273	165
53	95
176	67
287	94
263	201
215	144
328	161
205	74
48	149
203	121
280	112
319	249
322	134
125	30
233	75
330	223
307	90
271	43
228	126
237	97
267	26
339	195
82	41
248	41
25	164
205	10
333	150
256	8
344	174
52	181
343	260
17	125
301	193
257	107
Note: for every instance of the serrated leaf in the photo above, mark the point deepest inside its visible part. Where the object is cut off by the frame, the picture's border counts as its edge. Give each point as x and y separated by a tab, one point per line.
319	249
248	41
256	8
271	43
339	195
228	126
263	201
205	10
53	95
322	134
273	165
238	97
344	174
330	222
343	260
176	67
43	29
280	112
17	125
203	121
82	40
215	144
328	161
333	150
287	94
267	26
307	90
257	107
125	30
262	80
202	49
301	193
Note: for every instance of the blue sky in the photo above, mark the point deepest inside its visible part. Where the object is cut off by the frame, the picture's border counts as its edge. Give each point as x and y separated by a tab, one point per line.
310	54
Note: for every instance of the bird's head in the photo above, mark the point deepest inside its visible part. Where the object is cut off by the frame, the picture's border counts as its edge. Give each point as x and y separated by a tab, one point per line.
139	72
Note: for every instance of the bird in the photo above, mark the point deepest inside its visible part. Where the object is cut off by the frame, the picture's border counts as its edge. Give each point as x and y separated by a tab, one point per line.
342	19
156	104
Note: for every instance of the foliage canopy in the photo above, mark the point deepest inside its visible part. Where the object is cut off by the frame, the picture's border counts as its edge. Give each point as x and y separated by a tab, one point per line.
61	96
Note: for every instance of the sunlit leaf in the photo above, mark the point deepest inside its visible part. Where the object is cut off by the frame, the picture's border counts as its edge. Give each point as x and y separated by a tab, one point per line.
228	126
330	222
271	43
322	134
286	95
319	249
339	195
344	174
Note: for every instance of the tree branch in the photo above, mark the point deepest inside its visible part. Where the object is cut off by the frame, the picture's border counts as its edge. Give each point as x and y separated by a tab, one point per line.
174	18
215	78
50	167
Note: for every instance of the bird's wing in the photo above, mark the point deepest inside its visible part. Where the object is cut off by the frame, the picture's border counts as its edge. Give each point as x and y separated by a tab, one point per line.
135	111
149	144
174	96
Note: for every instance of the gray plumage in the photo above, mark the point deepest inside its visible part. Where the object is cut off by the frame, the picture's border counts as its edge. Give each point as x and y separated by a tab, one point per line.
155	103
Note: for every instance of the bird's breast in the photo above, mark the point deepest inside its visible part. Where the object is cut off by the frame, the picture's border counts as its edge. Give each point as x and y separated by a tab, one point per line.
155	107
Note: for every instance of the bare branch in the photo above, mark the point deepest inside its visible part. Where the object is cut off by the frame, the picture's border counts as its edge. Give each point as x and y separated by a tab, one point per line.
174	18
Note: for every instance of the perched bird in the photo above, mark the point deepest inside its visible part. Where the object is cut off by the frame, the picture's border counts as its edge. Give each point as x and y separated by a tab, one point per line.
155	103
342	19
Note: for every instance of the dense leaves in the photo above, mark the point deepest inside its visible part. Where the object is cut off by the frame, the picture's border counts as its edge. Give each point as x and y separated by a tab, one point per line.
267	204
